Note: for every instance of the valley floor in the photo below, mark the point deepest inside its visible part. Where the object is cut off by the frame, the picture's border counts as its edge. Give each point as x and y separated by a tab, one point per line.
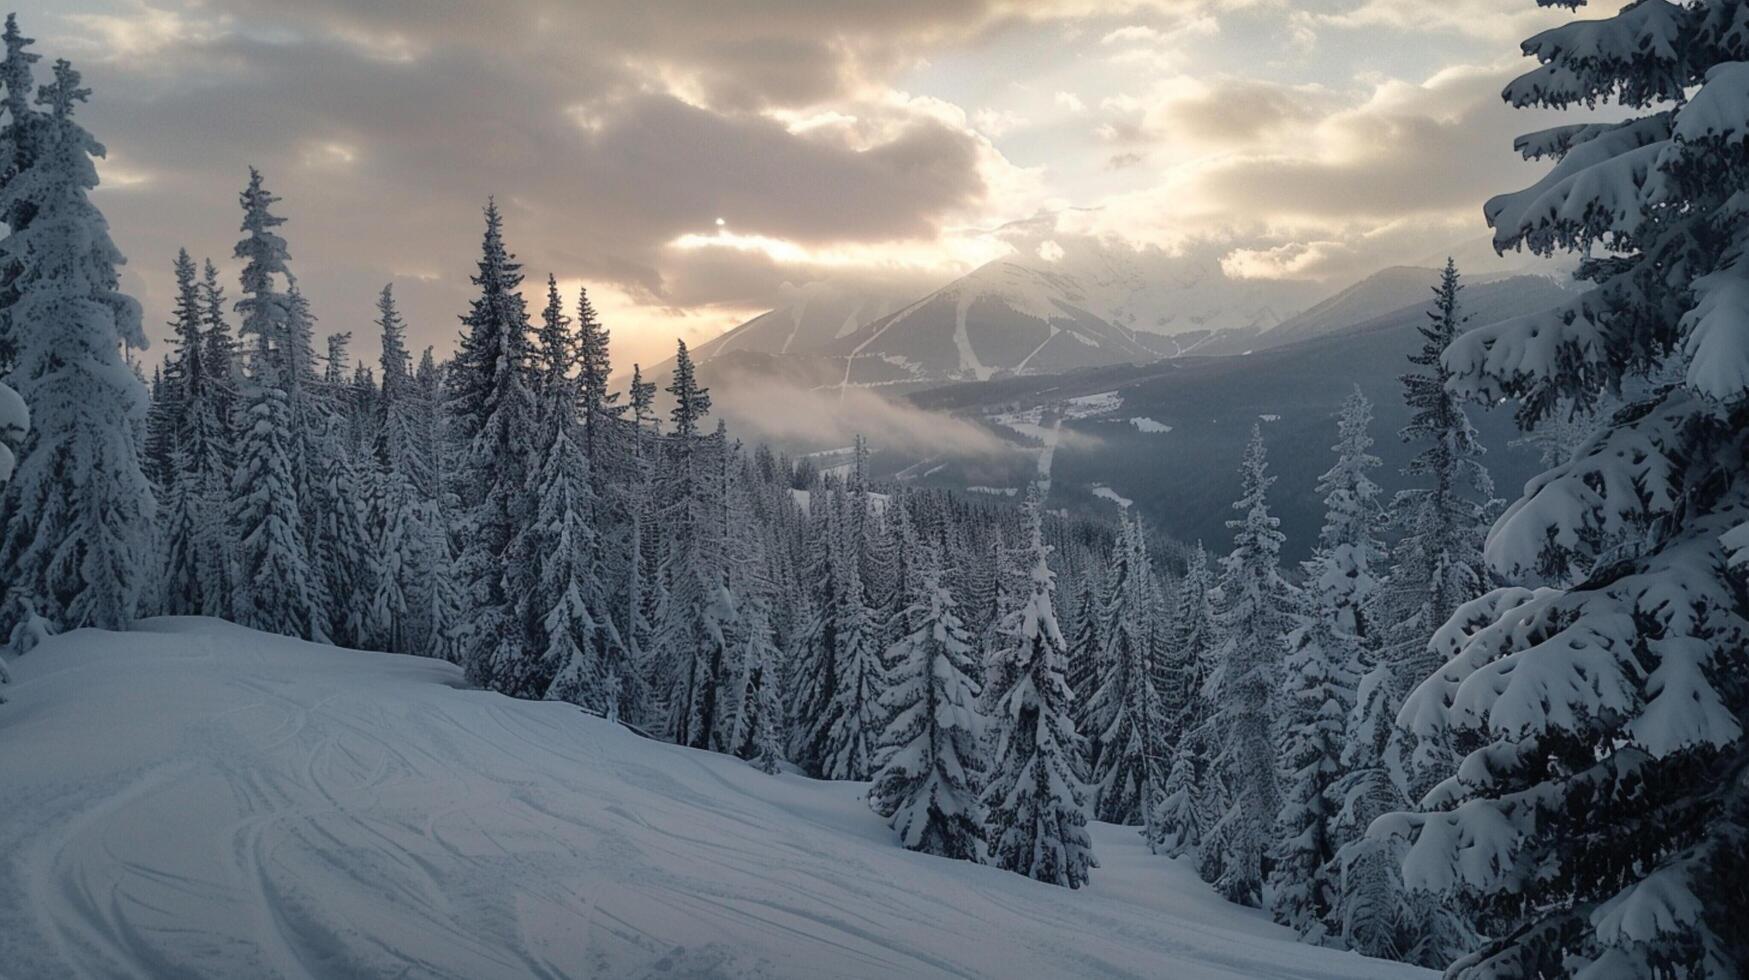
195	799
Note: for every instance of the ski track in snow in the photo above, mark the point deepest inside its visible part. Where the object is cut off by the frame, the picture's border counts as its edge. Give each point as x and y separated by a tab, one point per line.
194	799
963	340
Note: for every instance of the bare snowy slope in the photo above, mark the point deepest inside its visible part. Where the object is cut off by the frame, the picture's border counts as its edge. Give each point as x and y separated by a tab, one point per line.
810	319
196	799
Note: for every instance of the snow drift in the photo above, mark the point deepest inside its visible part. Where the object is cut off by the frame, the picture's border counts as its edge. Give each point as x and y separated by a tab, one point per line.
196	799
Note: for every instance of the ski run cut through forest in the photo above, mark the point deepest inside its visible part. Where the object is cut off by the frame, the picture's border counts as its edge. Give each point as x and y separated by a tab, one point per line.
481	663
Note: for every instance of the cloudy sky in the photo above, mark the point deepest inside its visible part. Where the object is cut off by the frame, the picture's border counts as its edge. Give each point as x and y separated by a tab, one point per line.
688	159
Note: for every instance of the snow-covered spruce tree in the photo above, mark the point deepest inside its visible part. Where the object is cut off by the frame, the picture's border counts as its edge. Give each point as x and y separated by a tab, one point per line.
1126	706
1191	800
1371	912
1437	561
1087	648
276	587
400	480
928	783
439	598
1034	804
691	639
18	141
347	565
560	541
76	521
490	413
768	728
1335	640
847	728
14	423
1255	615
1599	820
196	555
640	588
596	403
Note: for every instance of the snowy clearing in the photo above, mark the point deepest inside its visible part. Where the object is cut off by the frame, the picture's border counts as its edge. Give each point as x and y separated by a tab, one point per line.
196	799
1106	493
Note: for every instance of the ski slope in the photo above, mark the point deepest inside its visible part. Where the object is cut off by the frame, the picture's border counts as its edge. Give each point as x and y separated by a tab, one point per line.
195	799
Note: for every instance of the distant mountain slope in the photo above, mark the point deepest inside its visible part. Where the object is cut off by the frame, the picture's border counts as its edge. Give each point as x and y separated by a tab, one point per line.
1005	317
1386	293
810	319
194	799
1173	443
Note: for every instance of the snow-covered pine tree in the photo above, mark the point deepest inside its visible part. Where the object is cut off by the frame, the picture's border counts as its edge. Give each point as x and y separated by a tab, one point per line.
691	640
1255	615
640	589
221	346
1598	821
401	480
342	487
276	587
1190	798
560	541
196	554
1437	561
846	727
564	538
691	402
1326	651
76	521
1126	706
927	786
1087	667
1371	913
768	731
18	140
1034	804
490	413
439	597
14	423
594	369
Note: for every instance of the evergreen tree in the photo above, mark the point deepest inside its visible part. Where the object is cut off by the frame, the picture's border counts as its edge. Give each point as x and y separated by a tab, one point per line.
1035	811
1087	664
1600	723
1191	799
491	413
19	140
1326	651
1126	706
1254	616
927	784
691	403
594	370
277	587
402	482
1372	912
563	541
347	566
76	521
849	722
14	423
196	550
221	347
1438	557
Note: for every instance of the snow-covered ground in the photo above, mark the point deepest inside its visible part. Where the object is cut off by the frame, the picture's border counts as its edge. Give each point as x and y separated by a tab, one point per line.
1102	491
195	799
